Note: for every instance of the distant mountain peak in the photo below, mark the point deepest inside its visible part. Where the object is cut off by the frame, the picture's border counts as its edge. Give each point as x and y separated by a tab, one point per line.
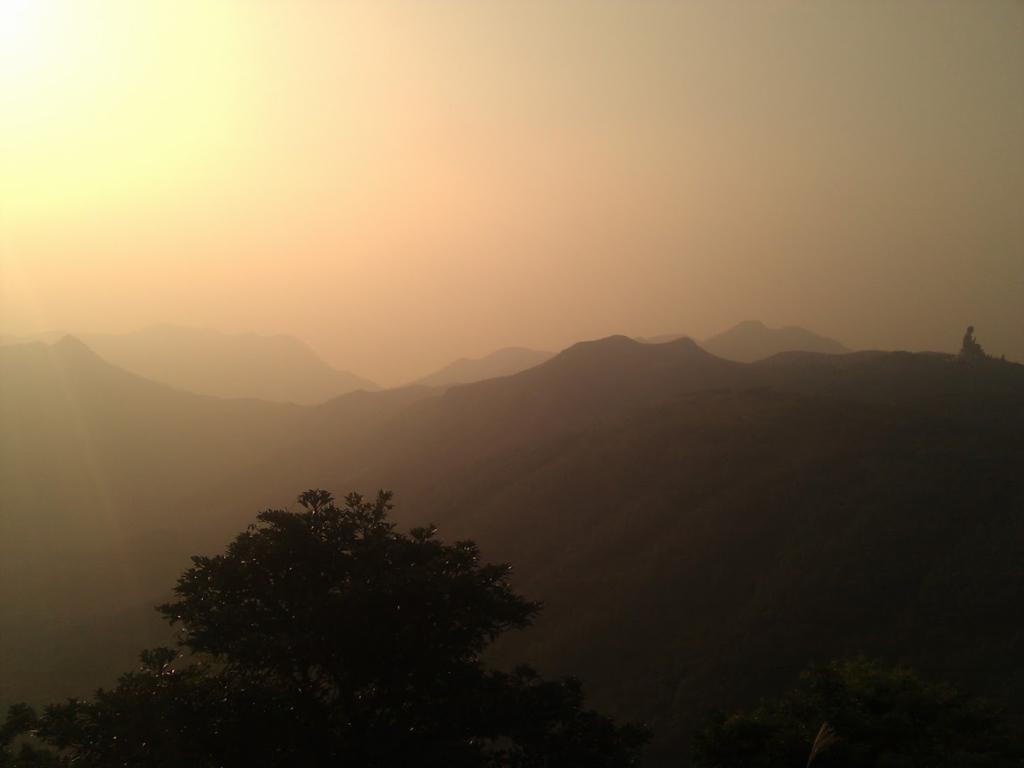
278	368
685	342
468	370
752	340
619	342
615	341
69	344
623	354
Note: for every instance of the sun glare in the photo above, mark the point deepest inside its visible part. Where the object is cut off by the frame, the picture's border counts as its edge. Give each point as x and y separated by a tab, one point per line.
27	40
101	104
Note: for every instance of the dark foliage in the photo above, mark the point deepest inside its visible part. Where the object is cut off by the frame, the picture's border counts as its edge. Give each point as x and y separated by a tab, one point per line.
326	637
858	713
16	747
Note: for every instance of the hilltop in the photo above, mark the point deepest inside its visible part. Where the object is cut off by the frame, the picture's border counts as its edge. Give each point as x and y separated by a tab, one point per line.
206	362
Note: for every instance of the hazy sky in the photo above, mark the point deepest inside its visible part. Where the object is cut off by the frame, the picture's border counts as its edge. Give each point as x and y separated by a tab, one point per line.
404	183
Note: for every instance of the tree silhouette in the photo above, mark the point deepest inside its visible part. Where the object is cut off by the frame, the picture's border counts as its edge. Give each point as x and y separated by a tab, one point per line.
327	637
870	715
22	719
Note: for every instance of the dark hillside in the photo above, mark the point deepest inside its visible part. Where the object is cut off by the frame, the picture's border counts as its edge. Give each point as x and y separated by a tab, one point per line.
741	519
742	534
108	482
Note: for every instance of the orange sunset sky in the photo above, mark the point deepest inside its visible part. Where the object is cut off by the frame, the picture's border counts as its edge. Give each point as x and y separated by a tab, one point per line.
402	183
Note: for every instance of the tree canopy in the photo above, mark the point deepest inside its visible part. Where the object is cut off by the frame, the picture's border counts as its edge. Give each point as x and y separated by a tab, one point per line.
326	636
861	713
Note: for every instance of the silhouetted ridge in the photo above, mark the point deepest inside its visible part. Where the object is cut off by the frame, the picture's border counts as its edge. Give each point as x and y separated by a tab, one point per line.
72	345
67	360
616	351
918	380
616	341
752	340
65	351
591	382
277	368
79	370
502	362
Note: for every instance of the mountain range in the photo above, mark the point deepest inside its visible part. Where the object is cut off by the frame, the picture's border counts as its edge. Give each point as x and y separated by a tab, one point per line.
284	369
752	340
698	528
206	362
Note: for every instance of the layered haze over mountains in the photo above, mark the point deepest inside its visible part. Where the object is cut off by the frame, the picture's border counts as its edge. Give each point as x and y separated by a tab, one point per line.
752	340
284	369
626	481
707	317
279	368
502	362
